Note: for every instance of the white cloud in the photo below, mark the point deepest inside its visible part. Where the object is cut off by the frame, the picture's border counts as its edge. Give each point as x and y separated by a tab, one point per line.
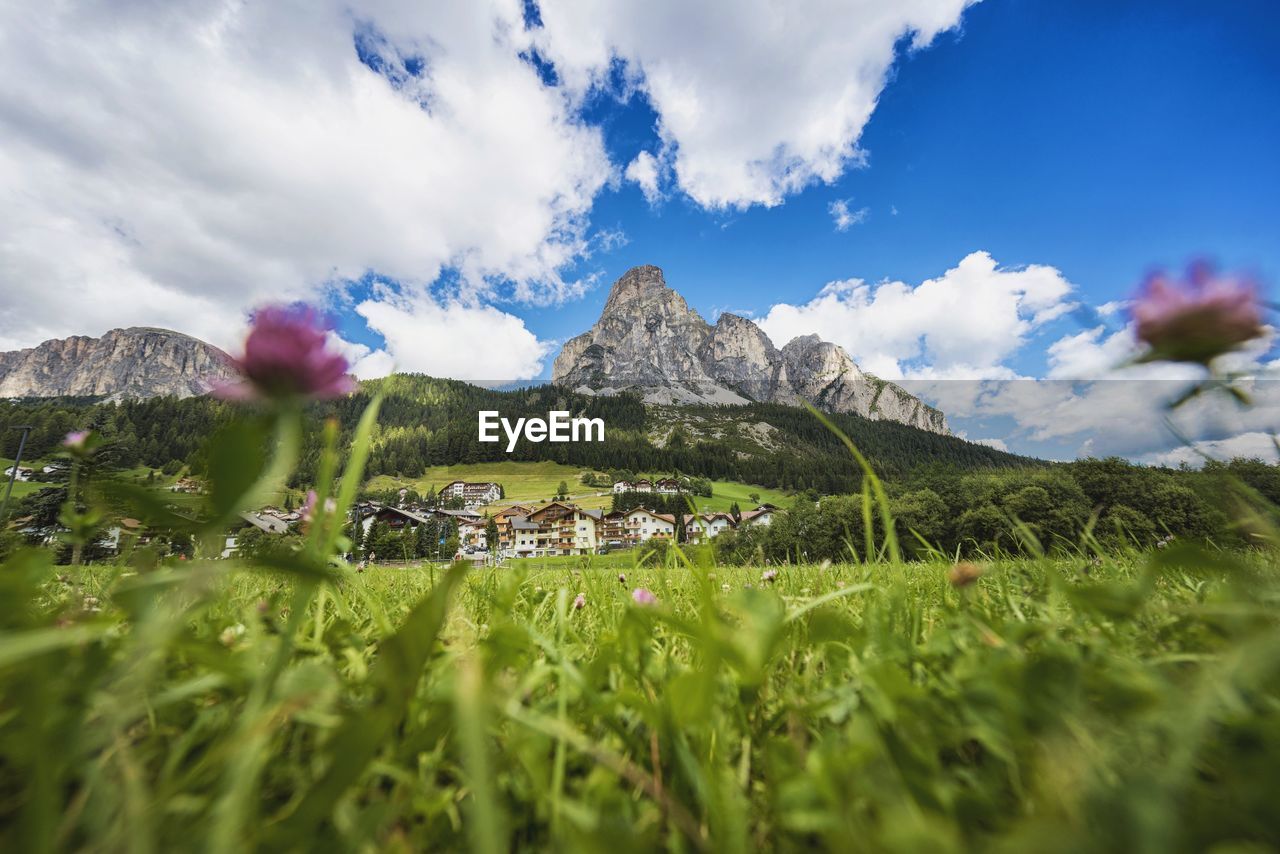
755	99
843	217
998	444
174	164
454	339
646	171
366	363
964	324
1256	445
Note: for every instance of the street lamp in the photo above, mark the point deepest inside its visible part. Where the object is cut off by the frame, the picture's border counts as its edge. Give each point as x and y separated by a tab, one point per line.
13	472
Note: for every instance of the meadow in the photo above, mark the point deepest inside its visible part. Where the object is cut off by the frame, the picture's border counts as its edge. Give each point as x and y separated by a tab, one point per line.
1073	704
538	482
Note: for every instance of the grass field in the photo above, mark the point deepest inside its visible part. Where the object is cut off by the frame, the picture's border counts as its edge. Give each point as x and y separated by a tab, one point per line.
537	482
1051	705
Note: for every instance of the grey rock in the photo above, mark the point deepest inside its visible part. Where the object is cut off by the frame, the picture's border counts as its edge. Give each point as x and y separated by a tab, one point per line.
124	363
647	339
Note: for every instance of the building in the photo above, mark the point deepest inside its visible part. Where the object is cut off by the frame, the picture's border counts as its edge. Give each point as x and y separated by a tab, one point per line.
473	534
762	515
667	486
185	484
613	530
268	523
503	519
471	493
642	486
522	538
566	529
623	486
704	526
19	473
642	525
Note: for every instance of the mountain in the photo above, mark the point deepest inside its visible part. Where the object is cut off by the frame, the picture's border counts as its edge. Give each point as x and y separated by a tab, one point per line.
648	339
136	362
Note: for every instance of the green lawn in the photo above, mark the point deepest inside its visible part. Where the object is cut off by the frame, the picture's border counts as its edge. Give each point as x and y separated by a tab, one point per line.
537	482
21	488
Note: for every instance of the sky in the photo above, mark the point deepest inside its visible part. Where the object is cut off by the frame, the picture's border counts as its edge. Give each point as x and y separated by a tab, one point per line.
962	194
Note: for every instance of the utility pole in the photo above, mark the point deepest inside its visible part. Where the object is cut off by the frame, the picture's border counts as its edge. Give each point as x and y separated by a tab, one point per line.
13	472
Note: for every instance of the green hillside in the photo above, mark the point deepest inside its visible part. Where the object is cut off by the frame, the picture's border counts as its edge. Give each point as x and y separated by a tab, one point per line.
537	482
426	433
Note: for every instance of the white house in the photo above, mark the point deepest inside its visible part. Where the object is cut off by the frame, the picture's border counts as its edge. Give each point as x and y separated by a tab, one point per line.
666	486
760	516
622	486
642	524
23	473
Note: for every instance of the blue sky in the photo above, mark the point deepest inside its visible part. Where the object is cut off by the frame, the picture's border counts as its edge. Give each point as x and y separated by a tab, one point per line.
1100	138
459	189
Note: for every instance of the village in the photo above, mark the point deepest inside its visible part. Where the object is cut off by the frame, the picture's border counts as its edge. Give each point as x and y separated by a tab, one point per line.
561	528
522	530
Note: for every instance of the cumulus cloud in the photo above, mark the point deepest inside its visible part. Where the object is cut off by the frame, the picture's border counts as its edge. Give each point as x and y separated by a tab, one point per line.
755	99
175	164
453	339
1256	445
366	362
964	324
645	171
843	217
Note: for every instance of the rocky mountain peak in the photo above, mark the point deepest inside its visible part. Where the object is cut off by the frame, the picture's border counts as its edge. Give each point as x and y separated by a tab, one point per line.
648	339
138	361
643	284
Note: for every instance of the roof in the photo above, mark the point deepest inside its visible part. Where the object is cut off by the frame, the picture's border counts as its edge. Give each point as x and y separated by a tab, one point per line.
594	514
459	514
520	523
265	523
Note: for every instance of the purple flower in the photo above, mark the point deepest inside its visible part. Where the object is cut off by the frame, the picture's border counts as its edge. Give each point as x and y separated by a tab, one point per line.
76	440
1198	319
309	506
580	602
285	357
643	596
769	575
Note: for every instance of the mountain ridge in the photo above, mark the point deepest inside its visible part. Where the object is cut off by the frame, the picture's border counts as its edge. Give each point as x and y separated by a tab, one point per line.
648	339
128	362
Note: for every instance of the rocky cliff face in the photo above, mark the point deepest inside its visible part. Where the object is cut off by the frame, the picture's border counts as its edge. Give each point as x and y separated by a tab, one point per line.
648	339
124	363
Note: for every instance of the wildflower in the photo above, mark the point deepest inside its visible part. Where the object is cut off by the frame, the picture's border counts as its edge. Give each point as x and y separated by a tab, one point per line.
580	602
769	575
285	357
643	596
825	565
622	579
1196	320
91	603
264	607
725	587
964	574
75	440
79	443
309	505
